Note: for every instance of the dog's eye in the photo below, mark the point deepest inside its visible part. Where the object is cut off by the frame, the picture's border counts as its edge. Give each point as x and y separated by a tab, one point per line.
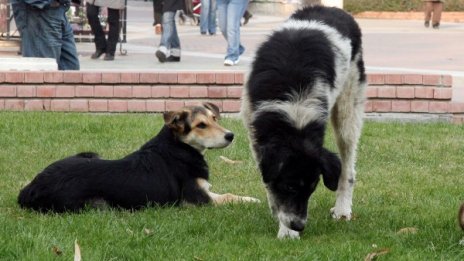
214	118
290	188
201	125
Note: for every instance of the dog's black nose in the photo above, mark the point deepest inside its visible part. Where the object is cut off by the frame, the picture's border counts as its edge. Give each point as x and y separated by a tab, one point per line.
229	136
297	225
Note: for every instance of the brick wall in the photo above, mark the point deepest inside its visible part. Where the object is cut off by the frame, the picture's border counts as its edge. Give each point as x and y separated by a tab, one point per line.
159	91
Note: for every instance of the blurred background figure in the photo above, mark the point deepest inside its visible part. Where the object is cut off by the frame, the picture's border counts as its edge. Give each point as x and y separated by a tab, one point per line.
208	17
169	47
103	45
433	9
46	32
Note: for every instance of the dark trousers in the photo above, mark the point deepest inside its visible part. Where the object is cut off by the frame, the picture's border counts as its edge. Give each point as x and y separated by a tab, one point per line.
158	11
101	44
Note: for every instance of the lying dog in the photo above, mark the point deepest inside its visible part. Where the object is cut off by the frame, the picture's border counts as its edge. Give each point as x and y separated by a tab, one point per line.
169	169
307	71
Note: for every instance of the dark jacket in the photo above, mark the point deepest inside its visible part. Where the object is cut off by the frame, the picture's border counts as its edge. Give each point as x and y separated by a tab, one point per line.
173	5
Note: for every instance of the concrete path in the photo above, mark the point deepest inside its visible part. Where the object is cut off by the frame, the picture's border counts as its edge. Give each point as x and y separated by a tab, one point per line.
403	46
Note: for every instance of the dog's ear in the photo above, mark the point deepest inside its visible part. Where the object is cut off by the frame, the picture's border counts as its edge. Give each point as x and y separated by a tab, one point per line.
176	120
271	162
330	168
212	107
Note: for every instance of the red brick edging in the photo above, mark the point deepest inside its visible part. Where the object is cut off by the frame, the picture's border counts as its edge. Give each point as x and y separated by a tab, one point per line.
161	91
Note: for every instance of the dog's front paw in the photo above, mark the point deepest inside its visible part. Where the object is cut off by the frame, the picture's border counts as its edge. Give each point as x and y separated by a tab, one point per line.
286	233
250	199
341	213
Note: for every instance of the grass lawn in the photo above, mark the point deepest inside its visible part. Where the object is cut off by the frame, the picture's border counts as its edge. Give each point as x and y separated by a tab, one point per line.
409	176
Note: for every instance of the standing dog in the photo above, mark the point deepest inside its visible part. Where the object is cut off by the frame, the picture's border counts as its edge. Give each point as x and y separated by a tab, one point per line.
307	71
169	169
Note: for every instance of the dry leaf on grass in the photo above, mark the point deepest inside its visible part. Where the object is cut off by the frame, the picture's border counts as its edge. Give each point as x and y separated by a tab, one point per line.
407	230
374	255
57	251
77	251
147	231
229	161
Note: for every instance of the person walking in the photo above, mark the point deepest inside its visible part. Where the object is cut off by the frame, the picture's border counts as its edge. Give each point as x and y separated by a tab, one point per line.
169	47
103	45
208	17
229	13
46	32
435	7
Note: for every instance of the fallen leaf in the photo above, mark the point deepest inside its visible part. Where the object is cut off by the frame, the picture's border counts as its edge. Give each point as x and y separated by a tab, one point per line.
56	251
229	161
374	255
197	258
407	230
147	231
77	251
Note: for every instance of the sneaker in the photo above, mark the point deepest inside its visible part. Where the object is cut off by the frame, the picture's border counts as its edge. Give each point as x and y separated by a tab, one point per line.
173	59
427	24
161	56
229	62
108	57
436	26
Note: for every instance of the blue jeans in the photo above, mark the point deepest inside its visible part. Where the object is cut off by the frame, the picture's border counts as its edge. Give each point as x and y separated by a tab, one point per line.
208	16
230	12
170	43
47	33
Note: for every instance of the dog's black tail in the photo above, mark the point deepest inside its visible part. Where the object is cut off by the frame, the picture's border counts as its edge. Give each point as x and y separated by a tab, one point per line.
46	191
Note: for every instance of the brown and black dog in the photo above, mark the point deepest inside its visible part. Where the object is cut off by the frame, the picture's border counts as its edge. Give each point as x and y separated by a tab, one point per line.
168	169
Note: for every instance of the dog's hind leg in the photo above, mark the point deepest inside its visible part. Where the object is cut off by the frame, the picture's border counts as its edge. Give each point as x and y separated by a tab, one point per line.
347	118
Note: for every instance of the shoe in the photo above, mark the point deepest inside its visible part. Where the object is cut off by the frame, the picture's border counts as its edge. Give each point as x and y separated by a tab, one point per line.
203	33
161	56
427	24
158	29
436	26
173	59
247	17
212	34
97	54
108	57
229	62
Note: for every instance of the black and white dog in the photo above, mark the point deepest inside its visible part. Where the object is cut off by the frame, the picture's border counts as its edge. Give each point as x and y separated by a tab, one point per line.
168	169
309	69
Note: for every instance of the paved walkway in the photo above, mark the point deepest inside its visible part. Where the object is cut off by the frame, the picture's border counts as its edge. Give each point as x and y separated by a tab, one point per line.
389	46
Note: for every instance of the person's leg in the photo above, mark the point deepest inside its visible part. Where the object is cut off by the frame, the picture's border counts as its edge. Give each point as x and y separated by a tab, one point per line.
97	30
113	34
437	9
212	17
204	16
428	7
234	14
68	59
47	34
174	51
222	6
166	37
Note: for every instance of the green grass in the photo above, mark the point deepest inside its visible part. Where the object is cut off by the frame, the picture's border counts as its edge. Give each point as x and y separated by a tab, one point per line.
409	175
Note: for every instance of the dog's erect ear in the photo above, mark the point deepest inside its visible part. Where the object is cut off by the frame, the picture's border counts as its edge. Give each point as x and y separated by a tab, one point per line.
330	168
175	120
212	107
